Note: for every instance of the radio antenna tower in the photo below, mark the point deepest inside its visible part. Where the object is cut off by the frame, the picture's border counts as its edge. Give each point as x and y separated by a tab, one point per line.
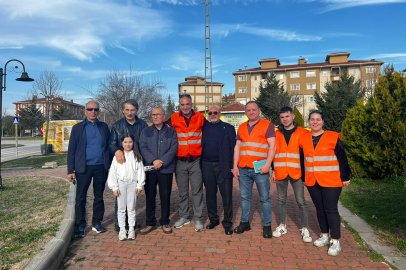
207	58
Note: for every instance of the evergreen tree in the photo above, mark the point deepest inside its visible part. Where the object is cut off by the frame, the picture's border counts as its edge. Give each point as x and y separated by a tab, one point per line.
338	99
31	117
64	113
298	117
272	98
374	133
170	107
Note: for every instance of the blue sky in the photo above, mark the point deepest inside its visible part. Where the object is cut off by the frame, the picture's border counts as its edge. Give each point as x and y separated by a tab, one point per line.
81	41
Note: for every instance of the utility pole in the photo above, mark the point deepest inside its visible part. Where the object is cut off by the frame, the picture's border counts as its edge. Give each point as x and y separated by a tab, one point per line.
207	57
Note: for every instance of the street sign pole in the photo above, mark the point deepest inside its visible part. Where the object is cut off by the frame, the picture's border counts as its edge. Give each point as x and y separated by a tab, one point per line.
16	120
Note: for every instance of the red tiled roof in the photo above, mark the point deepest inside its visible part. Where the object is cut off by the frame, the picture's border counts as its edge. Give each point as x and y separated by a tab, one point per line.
305	66
195	82
42	100
233	107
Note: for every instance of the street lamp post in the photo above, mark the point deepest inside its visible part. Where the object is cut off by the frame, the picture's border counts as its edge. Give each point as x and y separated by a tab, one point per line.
24	78
246	90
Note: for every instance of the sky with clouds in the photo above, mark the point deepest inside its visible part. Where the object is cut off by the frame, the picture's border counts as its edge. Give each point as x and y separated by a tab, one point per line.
81	41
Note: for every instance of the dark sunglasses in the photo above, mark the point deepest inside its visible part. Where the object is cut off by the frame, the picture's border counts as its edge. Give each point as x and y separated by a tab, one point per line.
210	113
92	109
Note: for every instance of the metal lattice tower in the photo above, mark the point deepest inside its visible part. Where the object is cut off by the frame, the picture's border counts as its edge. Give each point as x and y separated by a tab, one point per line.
207	58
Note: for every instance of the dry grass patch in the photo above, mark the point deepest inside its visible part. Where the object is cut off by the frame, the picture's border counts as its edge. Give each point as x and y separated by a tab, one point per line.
31	210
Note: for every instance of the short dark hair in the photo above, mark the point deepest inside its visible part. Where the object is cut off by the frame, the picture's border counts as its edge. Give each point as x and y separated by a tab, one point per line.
186	95
286	109
250	102
318	112
132	102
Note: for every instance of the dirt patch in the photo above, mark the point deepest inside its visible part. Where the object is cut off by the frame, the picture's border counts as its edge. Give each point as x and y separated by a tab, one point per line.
31	210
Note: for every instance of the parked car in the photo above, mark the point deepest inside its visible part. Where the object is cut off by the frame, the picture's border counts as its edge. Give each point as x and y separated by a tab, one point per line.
38	134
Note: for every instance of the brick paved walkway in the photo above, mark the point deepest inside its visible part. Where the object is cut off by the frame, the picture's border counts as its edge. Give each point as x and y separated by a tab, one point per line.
187	249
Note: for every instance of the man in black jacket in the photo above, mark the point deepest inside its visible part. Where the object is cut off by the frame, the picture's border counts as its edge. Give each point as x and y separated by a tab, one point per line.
130	123
89	157
158	146
218	144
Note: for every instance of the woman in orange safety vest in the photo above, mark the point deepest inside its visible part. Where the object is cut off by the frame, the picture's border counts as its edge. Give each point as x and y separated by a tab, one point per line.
325	171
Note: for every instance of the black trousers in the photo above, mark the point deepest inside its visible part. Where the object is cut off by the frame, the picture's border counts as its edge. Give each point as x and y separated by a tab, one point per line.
325	200
99	176
212	178
164	182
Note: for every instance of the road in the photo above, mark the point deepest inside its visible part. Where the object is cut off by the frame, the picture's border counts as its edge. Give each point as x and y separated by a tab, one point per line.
30	148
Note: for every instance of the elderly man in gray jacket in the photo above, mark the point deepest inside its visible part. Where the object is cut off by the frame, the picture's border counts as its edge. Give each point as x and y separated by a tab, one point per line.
158	146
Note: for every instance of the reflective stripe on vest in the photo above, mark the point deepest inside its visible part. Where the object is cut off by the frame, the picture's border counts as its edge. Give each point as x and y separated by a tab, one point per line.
252	153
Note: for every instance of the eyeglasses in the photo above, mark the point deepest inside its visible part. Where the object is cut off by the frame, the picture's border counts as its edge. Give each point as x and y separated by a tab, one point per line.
215	113
92	109
156	115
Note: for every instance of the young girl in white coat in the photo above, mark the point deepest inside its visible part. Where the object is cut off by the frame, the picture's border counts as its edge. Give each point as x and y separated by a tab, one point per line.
127	180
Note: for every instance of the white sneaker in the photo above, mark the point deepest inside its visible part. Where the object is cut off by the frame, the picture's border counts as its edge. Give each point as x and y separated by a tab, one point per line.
131	234
306	236
335	248
279	231
322	241
181	222
122	235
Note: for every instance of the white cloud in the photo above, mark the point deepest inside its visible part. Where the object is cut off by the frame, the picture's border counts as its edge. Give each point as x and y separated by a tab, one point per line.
388	55
341	4
98	74
82	29
224	30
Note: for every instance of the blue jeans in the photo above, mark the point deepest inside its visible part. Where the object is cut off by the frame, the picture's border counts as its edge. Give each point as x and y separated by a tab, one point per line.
246	180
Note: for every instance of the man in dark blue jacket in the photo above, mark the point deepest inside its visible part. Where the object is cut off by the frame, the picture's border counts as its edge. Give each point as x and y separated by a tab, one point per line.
89	157
158	146
218	144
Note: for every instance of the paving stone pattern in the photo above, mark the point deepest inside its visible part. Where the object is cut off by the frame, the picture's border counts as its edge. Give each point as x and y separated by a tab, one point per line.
212	249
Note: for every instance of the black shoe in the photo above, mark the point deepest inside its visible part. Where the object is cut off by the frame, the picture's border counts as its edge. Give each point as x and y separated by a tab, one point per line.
267	232
228	230
212	225
244	226
80	233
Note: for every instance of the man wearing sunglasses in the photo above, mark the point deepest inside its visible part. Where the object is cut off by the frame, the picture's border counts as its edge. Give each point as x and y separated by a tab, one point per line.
188	125
89	158
218	144
130	123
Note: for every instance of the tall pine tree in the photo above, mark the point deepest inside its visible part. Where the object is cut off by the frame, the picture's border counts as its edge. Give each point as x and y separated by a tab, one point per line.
170	107
338	99
272	98
374	132
31	117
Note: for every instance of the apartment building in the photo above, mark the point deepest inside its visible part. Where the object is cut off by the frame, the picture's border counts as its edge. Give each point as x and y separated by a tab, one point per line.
303	79
195	86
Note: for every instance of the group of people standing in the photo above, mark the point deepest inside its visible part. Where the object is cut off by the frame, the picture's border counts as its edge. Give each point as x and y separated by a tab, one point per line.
210	153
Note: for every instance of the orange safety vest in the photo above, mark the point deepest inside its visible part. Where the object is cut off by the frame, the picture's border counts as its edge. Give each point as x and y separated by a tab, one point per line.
321	164
287	158
189	138
254	146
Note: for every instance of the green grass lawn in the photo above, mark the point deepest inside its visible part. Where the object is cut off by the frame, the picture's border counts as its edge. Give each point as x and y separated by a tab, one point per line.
382	204
22	138
31	210
35	161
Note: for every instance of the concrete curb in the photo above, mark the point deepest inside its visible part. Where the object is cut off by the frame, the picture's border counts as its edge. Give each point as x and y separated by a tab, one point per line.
369	236
51	256
16	168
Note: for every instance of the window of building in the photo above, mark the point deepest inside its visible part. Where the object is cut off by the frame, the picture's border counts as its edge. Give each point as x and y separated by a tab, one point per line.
371	84
311	86
310	99
311	73
255	77
324	73
354	72
295	99
294	87
371	69
280	76
335	71
255	90
294	74
263	76
242	90
241	78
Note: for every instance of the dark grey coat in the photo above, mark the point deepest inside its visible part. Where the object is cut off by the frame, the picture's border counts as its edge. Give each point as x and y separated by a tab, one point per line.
163	148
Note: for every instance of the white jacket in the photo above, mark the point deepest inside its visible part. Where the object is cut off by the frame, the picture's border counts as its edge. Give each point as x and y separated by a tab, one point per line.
130	172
